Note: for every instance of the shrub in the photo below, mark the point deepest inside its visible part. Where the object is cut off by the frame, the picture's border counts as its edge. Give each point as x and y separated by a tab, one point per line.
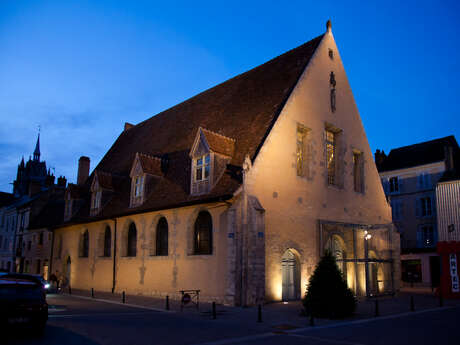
328	294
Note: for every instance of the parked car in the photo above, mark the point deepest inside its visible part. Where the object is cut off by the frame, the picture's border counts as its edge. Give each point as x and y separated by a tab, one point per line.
22	301
46	285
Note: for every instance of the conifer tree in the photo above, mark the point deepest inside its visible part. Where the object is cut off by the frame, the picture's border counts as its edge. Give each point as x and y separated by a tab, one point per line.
328	294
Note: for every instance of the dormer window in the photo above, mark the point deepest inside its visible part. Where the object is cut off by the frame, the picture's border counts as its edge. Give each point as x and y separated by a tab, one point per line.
146	171
209	156
137	190
202	167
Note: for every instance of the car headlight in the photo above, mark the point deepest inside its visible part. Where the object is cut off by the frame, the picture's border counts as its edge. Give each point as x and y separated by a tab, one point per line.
47	286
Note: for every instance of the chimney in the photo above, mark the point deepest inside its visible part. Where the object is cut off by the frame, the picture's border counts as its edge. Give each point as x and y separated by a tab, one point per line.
83	170
61	181
379	158
449	154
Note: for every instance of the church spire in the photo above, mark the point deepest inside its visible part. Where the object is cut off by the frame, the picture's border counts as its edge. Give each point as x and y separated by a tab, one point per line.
37	149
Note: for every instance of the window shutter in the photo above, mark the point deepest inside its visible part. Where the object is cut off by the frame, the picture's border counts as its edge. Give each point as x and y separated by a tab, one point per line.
418	211
401	209
419	238
420	181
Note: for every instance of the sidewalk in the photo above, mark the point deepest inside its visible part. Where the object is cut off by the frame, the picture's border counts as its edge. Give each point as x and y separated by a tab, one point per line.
281	316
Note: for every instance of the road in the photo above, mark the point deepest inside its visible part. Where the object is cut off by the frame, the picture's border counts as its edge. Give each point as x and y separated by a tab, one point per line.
81	321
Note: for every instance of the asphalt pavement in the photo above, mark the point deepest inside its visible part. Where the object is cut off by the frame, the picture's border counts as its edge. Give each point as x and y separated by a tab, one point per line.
75	320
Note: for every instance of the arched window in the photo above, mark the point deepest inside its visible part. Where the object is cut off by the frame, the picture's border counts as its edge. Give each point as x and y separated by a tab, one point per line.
84	244
162	237
107	241
132	240
203	234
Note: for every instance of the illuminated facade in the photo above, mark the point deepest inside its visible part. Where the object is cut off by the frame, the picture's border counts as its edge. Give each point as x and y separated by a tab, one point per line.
237	192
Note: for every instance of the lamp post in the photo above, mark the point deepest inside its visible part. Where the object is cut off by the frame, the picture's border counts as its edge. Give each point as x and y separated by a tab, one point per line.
367	237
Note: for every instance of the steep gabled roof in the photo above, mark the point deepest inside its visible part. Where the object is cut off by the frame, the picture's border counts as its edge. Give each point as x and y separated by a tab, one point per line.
236	116
418	154
243	108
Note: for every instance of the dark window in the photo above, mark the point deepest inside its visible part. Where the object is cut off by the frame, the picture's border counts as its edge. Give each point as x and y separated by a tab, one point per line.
394	184
40	239
38	267
107	241
132	240
84	246
162	237
29	245
203	233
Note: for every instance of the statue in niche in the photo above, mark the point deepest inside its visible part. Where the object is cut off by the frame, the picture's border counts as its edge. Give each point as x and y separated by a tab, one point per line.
332	83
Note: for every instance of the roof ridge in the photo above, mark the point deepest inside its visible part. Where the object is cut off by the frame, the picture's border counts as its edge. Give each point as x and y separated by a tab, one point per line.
424	143
220	135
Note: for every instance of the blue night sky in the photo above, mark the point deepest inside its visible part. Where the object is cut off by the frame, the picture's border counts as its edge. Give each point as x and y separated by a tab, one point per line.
81	69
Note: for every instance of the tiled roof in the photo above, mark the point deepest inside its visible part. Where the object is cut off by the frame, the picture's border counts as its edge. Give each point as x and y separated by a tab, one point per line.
236	116
150	165
418	154
219	143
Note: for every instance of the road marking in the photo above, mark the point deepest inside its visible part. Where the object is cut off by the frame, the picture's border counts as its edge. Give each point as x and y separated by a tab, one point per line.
94	314
124	304
307	329
326	340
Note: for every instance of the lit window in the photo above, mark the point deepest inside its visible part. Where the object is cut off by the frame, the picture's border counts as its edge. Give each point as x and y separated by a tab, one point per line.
301	153
202	168
331	149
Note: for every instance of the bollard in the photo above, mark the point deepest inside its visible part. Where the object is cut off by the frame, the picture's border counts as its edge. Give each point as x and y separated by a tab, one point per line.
377	312
412	305
259	313
167	302
441	302
312	320
92	292
70	290
123	297
214	316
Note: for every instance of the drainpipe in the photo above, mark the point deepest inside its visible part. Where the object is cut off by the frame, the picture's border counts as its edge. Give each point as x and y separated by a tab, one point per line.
114	254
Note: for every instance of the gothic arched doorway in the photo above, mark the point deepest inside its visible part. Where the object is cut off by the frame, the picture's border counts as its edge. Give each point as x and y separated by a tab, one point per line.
290	265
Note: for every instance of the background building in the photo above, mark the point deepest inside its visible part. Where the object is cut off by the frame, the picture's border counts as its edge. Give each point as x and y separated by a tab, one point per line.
409	176
448	205
36	204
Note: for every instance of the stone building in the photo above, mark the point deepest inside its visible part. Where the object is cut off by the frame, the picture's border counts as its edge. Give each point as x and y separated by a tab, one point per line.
37	203
409	176
6	231
236	192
